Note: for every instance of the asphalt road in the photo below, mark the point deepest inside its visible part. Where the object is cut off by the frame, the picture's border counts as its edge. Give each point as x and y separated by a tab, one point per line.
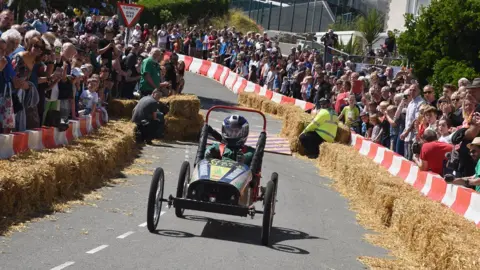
313	228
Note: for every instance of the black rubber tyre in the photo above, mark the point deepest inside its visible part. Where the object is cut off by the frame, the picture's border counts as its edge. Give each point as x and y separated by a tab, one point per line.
155	196
183	181
268	212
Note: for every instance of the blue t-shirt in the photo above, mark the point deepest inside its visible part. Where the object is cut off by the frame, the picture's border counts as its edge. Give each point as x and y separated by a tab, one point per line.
199	43
223	48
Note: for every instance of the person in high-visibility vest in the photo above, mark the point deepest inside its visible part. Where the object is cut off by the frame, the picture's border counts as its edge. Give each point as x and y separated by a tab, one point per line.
323	128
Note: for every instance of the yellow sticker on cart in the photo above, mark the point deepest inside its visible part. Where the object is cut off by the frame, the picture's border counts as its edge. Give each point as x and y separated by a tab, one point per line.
217	172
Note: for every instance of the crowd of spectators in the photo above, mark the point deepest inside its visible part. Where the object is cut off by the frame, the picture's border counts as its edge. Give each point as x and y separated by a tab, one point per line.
56	68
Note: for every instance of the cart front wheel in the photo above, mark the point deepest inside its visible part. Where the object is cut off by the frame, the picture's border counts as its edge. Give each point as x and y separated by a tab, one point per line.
182	186
268	212
155	198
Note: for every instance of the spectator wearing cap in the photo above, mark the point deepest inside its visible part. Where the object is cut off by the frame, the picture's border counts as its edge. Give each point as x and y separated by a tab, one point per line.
474	180
323	128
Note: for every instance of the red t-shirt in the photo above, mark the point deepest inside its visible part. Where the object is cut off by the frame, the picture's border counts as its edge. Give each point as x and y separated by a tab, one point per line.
434	154
340	101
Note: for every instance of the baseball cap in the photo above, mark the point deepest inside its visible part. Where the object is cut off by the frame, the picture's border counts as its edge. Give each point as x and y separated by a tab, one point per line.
77	72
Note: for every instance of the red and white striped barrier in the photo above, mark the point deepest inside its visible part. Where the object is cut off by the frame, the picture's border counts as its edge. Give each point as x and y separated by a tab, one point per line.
47	137
463	201
236	83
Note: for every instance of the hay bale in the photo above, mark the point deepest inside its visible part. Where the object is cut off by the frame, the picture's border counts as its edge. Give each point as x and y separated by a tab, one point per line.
179	128
121	108
243	99
184	105
32	182
270	107
343	134
421	233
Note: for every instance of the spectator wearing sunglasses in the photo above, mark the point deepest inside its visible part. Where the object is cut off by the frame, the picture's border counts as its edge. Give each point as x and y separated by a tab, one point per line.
429	95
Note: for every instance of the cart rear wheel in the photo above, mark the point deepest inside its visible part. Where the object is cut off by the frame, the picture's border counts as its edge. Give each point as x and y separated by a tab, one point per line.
182	186
155	198
268	210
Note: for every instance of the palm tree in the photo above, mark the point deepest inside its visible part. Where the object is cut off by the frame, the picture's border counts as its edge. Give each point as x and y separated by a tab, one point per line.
371	26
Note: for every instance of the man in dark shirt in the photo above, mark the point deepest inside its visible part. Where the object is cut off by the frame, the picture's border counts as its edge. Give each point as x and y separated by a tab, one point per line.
148	115
129	66
107	47
171	75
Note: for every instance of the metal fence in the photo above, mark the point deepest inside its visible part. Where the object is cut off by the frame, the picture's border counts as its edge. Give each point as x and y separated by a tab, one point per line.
289	17
303	16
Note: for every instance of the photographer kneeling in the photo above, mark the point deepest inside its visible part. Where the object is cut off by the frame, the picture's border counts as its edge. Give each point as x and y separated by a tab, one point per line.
149	117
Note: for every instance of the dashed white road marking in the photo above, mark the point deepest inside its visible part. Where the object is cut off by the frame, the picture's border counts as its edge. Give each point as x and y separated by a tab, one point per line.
61	266
145	223
125	235
187	151
97	249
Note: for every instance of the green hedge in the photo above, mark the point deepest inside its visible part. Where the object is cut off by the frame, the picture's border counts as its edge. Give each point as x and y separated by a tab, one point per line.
161	11
450	71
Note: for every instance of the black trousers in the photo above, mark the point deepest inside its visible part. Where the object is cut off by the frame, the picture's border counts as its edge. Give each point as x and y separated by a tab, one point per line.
311	142
148	131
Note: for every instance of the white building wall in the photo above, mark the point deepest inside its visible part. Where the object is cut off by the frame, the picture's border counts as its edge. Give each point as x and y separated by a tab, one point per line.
398	8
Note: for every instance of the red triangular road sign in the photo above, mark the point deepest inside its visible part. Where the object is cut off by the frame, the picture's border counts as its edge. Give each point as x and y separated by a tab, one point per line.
130	12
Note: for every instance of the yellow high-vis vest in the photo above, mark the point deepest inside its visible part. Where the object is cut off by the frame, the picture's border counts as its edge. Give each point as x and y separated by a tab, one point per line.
325	124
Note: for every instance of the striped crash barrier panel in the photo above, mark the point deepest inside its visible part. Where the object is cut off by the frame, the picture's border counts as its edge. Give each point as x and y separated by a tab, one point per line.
464	201
48	137
234	82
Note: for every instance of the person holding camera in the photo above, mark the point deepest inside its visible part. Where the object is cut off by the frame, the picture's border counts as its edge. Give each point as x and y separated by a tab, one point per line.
148	115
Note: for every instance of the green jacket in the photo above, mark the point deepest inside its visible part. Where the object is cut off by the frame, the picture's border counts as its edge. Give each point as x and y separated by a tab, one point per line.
213	151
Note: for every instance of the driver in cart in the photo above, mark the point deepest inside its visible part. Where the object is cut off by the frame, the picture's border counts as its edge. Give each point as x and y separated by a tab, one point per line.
234	136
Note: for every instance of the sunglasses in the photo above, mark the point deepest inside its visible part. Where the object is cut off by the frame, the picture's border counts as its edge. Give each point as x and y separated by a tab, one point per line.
455	99
472	152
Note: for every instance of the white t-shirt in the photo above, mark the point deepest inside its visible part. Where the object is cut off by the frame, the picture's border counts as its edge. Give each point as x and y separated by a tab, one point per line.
446	139
162	36
88	98
54	94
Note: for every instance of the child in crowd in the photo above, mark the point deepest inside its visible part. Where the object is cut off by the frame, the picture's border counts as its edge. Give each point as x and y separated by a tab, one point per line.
350	114
366	126
89	97
377	129
443	129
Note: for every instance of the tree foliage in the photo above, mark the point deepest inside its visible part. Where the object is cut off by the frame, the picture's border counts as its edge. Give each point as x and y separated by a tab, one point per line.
371	26
446	31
